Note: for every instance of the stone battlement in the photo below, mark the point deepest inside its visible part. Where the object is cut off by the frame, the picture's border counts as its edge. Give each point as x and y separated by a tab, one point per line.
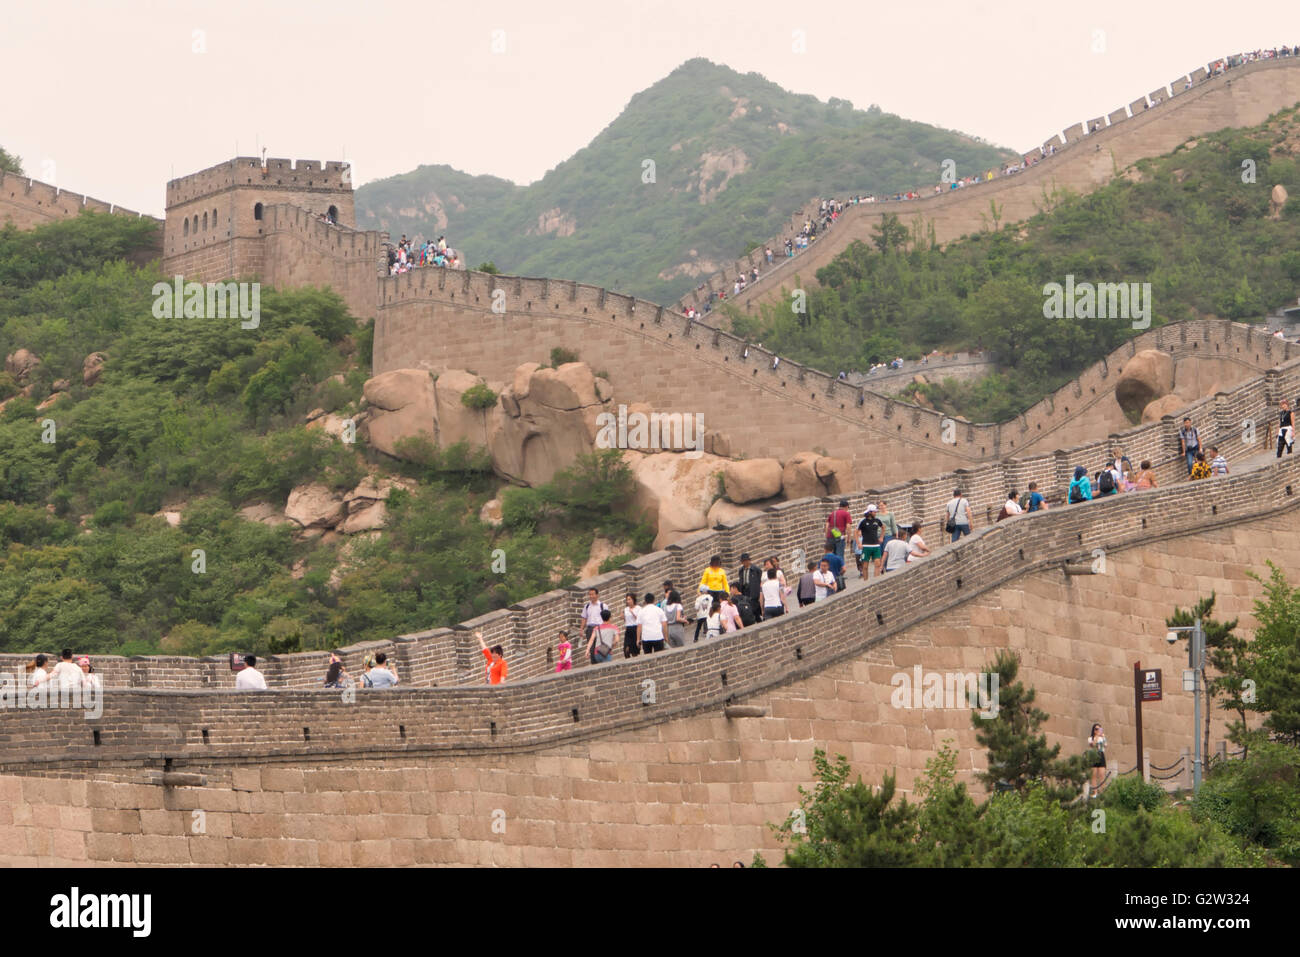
247	172
1125	136
215	727
449	656
28	202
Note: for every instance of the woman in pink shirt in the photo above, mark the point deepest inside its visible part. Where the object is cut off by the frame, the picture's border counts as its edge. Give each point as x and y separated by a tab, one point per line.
731	616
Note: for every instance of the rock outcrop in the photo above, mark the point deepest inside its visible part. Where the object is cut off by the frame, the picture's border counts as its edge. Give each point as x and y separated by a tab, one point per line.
402	406
92	368
547	420
21	363
1146	377
751	479
315	506
1165	405
675	492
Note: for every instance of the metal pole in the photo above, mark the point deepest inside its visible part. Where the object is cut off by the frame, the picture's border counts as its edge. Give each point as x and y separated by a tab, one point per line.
1137	710
1196	653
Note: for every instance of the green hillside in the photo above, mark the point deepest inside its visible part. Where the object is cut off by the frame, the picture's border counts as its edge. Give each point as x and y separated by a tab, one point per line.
734	156
1210	244
202	417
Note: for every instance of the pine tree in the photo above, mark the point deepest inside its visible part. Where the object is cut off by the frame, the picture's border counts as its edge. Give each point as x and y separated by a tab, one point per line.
1017	753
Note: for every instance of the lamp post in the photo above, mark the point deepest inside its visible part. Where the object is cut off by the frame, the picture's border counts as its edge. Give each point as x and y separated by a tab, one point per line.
1192	683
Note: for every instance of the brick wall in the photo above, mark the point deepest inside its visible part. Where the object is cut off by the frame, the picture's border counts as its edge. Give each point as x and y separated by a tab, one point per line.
1244	96
28	203
528	629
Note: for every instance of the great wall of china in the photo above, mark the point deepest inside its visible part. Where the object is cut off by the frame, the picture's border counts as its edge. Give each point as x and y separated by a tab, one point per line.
588	768
1151	125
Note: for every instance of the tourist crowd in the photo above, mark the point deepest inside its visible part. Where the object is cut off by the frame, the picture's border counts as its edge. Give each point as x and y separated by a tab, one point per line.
68	674
408	254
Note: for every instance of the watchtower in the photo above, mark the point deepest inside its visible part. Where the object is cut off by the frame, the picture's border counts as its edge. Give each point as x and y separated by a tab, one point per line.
214	214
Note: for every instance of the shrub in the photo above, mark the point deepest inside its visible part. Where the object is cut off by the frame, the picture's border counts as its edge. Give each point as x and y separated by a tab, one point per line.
111	513
560	355
478	397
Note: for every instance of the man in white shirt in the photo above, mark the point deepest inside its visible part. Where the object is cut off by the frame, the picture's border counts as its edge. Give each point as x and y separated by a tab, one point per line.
897	551
824	579
380	676
66	673
250	679
651	626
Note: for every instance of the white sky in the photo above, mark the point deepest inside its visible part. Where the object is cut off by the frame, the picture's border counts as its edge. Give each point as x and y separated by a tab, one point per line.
109	97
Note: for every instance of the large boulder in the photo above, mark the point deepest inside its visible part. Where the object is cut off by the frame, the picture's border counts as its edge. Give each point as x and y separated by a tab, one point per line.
402	405
721	512
21	363
675	491
1146	377
836	475
457	422
1165	405
92	368
751	479
546	419
366	505
799	477
315	506
1276	201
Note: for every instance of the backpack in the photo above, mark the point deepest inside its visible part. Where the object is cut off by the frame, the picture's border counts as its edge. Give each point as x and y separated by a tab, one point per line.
1076	493
746	609
1106	482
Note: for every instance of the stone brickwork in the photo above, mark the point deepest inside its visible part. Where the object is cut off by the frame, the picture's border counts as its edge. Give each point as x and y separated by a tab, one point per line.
402	779
1241	97
28	203
450	656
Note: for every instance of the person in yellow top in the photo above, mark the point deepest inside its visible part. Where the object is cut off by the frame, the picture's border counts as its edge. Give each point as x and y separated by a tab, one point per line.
715	579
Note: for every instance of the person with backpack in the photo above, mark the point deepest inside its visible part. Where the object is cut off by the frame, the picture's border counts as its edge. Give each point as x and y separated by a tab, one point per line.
591	614
1033	499
1106	484
703	604
744	607
807	591
837	527
1080	488
957	515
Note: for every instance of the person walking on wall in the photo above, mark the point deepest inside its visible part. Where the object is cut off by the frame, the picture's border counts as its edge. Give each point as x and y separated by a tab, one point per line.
957	515
1285	428
837	527
1189	440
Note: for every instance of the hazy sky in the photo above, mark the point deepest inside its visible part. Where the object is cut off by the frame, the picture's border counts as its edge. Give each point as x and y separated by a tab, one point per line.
114	97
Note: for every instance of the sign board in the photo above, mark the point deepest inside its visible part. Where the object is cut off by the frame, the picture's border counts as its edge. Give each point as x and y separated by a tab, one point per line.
1151	684
237	661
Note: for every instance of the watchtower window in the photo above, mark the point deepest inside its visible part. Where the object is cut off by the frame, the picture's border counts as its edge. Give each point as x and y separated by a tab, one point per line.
185	229
205	222
195	227
333	215
257	210
214	218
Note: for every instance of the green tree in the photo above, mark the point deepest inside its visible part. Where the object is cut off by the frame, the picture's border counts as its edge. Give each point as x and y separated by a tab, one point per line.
9	163
1018	754
848	824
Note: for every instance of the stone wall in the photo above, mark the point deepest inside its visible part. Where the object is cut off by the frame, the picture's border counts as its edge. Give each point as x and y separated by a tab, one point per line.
1242	97
28	203
404	778
766	405
450	656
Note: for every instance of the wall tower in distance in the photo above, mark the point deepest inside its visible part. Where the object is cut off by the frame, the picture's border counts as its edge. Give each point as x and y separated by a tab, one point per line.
217	218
